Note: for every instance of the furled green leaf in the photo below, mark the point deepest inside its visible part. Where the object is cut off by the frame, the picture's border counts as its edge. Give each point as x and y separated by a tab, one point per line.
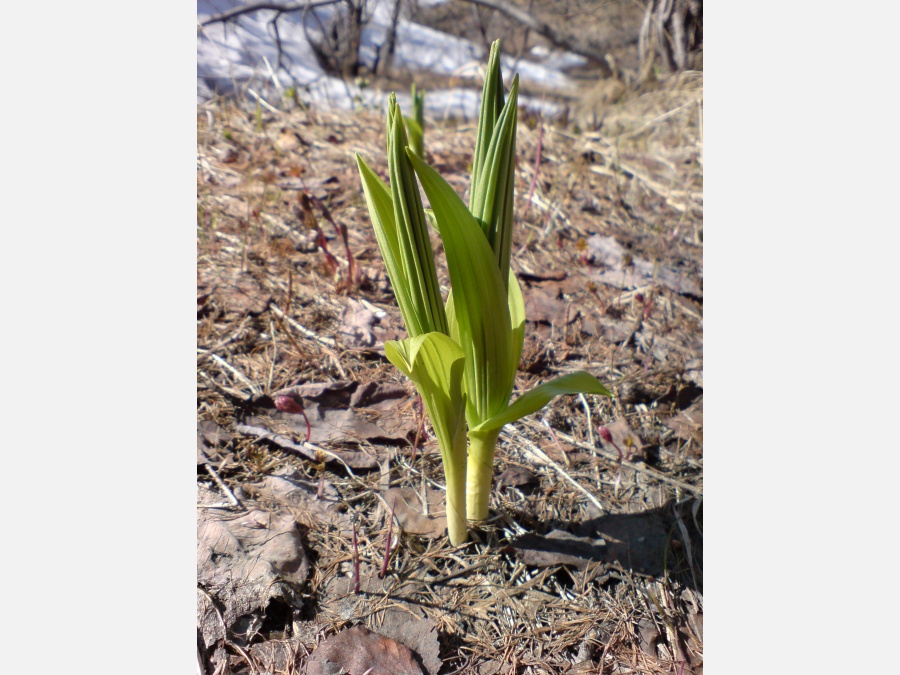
416	124
491	105
435	364
492	194
479	297
381	211
412	233
532	401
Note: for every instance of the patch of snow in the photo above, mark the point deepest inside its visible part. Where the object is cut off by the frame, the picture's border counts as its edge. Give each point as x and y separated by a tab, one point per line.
243	55
555	59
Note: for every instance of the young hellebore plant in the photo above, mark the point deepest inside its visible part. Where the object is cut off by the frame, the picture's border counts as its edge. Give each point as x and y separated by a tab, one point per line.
463	355
415	125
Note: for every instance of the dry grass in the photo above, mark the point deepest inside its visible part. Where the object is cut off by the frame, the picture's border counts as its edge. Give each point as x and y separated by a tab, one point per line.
269	315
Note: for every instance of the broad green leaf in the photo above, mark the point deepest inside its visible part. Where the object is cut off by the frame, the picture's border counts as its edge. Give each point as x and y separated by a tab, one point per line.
412	126
517	325
479	297
532	401
416	135
450	309
429	213
435	363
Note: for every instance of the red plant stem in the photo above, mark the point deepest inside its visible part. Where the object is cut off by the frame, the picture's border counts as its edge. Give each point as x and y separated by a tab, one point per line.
387	546
310	221
322	243
342	233
355	562
308	426
288	404
648	307
607	437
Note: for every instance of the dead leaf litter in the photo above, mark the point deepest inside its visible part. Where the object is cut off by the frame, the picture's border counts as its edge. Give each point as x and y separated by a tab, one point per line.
586	564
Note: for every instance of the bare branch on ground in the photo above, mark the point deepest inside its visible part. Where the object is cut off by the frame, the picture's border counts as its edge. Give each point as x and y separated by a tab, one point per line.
569	42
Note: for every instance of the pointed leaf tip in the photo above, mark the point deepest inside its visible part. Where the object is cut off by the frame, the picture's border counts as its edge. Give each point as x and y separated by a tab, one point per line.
532	401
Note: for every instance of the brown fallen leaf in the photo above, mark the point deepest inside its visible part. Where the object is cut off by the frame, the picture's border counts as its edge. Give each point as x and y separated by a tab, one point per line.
688	424
624	270
213	433
624	437
347	393
408	511
420	635
233	292
244	561
358	650
334	411
558	548
378	395
288	488
648	637
356	326
636	541
328	394
335	425
361	329
516	476
213	445
543	306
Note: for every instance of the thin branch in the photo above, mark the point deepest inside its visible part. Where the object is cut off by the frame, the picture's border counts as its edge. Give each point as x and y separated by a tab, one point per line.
561	40
328	342
542	456
280	7
228	493
278	50
631	465
238	374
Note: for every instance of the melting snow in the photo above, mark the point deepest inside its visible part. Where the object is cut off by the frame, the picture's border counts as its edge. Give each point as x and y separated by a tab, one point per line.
242	56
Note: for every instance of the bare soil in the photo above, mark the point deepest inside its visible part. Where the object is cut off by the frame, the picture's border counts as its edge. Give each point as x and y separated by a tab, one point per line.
587	564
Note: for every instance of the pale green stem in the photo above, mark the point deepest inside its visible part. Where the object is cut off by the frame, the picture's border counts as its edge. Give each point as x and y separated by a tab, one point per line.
480	471
455	475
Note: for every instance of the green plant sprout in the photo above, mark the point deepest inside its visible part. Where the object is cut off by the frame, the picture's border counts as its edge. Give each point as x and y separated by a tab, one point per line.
416	124
461	355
